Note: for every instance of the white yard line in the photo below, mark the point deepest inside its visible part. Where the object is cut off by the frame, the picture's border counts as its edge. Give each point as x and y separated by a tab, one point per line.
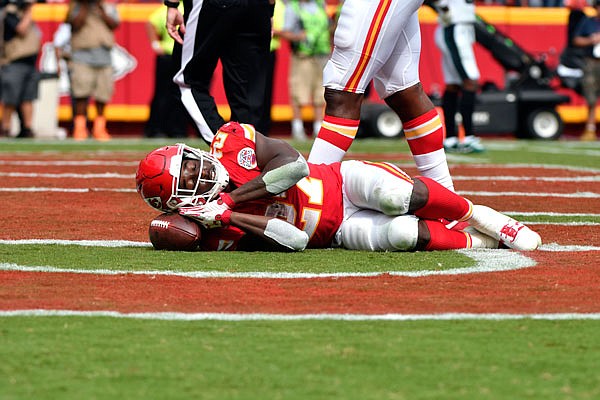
65	190
486	260
527	178
176	316
46	163
455	177
576	195
92	243
106	175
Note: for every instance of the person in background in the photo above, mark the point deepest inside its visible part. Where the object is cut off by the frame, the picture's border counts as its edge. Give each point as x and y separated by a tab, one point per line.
61	40
455	38
572	58
21	43
276	25
587	36
168	116
383	45
237	33
92	37
307	28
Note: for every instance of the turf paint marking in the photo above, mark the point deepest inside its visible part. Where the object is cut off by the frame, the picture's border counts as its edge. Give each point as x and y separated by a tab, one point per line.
76	163
485	261
109	175
91	243
64	190
175	316
576	195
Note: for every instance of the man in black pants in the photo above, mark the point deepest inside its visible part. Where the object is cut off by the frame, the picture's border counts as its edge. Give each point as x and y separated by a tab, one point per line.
236	32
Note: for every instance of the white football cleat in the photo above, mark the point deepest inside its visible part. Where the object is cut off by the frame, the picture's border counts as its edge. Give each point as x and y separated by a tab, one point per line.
503	228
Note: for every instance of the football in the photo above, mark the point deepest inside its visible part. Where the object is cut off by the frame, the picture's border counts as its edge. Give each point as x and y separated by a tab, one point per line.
171	231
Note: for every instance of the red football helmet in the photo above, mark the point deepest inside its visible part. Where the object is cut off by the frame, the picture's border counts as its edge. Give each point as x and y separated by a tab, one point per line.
157	178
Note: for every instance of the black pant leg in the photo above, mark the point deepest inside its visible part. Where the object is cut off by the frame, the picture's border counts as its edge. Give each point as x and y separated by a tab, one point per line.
245	65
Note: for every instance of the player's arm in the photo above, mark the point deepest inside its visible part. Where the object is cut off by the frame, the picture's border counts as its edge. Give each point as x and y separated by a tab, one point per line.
281	166
270	229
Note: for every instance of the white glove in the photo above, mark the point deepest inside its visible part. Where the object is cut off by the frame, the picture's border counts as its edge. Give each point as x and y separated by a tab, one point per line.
214	214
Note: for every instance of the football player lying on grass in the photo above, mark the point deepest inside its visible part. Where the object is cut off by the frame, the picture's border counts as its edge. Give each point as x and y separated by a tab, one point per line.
265	187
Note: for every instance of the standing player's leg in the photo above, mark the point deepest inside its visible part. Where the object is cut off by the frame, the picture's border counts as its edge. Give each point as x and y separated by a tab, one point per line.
389	52
403	92
364	39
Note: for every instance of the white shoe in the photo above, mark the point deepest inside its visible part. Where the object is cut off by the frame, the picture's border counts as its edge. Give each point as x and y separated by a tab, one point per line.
505	229
472	144
451	144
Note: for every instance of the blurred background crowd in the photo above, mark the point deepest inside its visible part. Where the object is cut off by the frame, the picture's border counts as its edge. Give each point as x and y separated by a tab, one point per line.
100	68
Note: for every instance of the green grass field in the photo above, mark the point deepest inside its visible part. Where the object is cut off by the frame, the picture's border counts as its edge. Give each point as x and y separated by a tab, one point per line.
106	358
75	357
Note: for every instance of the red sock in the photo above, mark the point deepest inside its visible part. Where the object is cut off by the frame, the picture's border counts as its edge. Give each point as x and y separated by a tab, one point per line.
443	203
425	134
425	137
334	139
443	238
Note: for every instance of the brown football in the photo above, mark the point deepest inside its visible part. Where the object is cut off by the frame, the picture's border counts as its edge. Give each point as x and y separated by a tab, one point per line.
170	231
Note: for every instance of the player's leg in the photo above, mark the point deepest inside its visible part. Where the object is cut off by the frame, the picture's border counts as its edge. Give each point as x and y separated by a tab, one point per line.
432	201
510	232
372	231
402	91
382	187
364	39
436	236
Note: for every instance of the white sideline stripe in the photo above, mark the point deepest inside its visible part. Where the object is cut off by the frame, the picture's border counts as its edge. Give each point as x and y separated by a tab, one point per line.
577	195
464	193
526	166
527	178
95	243
64	162
574	150
486	260
550	213
66	190
127	243
559	247
109	175
177	316
560	223
401	165
106	175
